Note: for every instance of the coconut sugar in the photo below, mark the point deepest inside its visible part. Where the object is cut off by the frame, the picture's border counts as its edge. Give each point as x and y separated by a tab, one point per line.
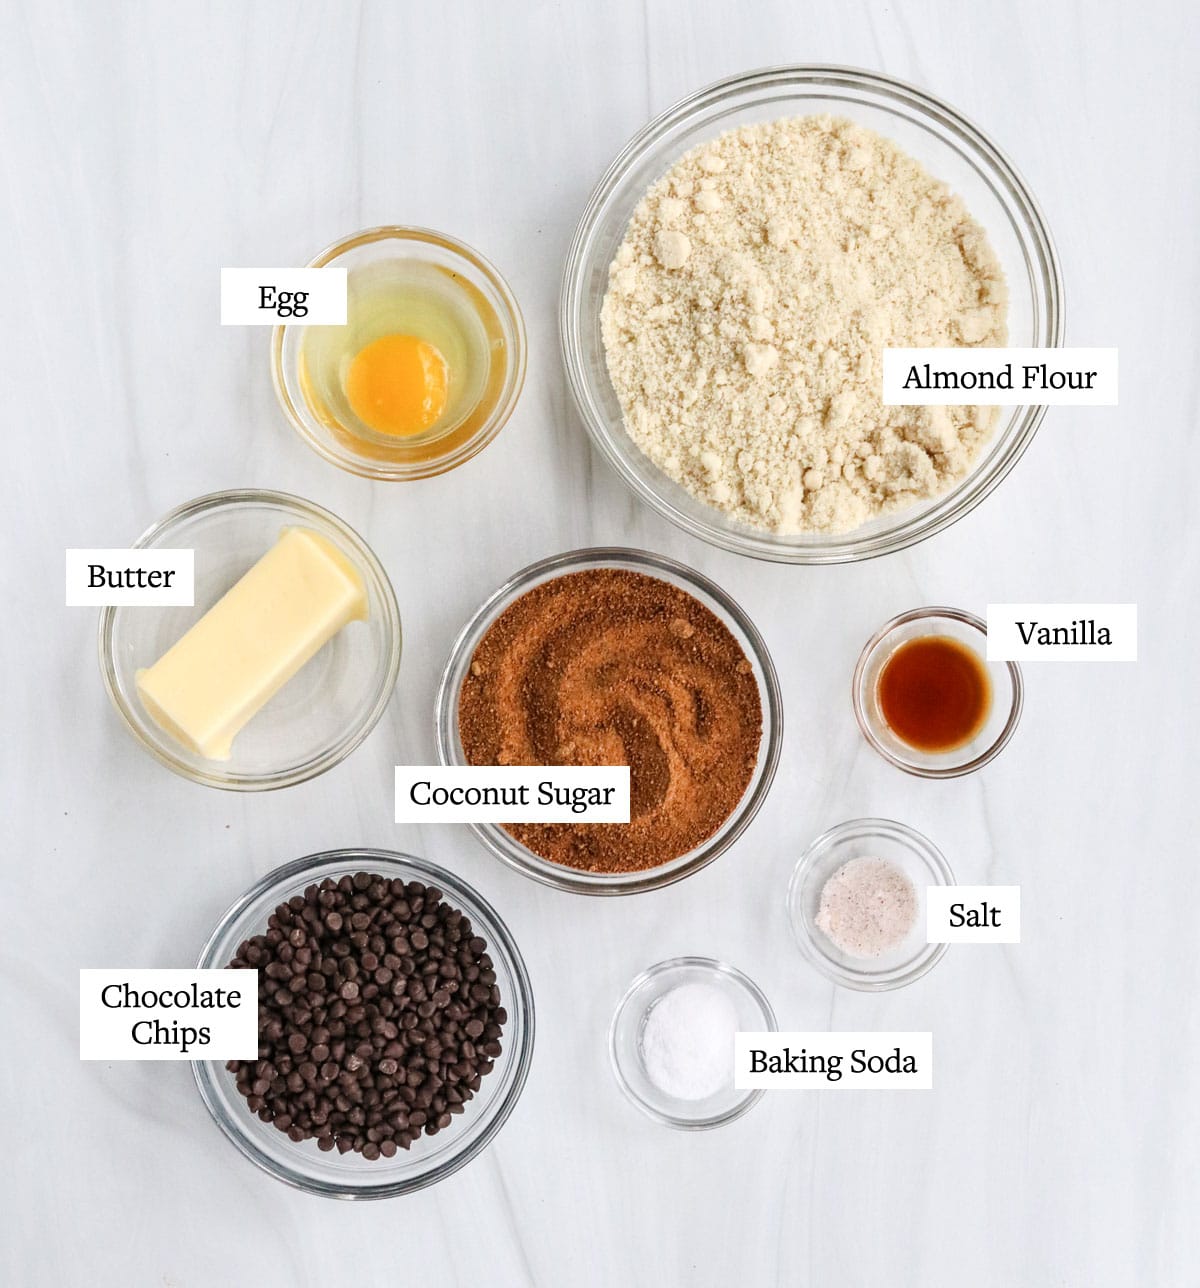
748	308
867	907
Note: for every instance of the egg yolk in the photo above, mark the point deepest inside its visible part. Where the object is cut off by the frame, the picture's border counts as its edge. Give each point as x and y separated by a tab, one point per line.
397	384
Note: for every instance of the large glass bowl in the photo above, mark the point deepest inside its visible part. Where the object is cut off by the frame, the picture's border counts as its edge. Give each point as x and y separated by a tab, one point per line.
431	1158
450	749
952	150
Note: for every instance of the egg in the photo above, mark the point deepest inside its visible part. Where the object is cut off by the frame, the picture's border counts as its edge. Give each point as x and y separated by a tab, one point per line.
398	385
409	366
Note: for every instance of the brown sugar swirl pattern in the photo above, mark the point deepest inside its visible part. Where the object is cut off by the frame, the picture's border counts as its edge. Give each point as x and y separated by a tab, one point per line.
613	667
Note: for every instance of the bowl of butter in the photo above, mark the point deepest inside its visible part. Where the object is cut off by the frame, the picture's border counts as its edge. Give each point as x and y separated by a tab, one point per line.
284	662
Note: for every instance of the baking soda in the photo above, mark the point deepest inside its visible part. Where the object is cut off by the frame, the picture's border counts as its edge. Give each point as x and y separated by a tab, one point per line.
687	1042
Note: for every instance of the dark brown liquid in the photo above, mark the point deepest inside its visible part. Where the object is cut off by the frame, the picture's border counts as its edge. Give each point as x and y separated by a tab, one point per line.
934	693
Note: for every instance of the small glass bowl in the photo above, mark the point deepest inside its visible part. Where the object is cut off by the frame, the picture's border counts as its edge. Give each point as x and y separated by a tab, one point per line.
421	456
324	712
629	1020
878	838
1008	694
450	750
950	147
431	1158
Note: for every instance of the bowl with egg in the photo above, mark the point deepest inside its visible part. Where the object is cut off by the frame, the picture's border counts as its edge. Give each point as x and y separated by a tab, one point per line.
427	368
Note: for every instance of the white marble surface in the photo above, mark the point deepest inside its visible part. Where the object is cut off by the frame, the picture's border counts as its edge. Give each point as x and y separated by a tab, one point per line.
146	145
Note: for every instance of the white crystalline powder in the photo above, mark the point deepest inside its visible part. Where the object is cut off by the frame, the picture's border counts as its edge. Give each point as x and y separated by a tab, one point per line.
748	308
687	1041
867	907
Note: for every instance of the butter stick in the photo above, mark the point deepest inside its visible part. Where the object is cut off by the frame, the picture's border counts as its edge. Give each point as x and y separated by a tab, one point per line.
205	688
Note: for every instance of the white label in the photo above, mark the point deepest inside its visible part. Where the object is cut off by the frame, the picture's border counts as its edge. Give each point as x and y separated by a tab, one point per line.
973	914
168	1014
268	296
124	577
834	1061
1062	632
999	377
512	794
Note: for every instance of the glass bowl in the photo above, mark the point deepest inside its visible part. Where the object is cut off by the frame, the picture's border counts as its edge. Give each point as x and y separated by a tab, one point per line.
878	838
443	447
450	750
431	1158
1007	700
324	712
629	1021
952	150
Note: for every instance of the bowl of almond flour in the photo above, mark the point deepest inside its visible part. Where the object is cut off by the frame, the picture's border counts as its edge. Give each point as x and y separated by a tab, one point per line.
734	281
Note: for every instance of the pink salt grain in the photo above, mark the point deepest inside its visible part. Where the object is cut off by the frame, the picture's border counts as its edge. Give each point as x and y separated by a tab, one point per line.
867	907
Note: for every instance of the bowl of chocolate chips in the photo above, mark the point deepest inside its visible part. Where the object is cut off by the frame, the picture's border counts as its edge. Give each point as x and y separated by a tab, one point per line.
395	1024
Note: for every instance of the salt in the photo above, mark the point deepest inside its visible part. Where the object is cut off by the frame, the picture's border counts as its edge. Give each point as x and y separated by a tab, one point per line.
687	1041
868	907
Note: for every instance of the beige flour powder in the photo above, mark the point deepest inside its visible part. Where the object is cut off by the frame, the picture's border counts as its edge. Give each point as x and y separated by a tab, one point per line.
748	308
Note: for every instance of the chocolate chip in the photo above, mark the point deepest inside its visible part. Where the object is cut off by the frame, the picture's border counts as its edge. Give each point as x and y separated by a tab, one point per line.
381	1019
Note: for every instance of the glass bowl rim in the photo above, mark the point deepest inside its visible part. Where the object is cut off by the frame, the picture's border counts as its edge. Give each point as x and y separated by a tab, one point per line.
712	965
847	977
234	498
500	942
1034	235
989	753
512	321
560	876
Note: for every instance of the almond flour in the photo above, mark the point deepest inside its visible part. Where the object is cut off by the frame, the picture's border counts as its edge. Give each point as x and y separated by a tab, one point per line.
748	308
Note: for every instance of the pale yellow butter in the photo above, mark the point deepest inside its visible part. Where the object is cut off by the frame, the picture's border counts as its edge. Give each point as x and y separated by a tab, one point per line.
204	689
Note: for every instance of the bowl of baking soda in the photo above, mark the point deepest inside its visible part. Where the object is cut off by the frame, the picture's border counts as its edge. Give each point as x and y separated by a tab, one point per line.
671	1041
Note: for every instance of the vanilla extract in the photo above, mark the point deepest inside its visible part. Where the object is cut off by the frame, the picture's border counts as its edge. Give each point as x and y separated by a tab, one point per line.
934	693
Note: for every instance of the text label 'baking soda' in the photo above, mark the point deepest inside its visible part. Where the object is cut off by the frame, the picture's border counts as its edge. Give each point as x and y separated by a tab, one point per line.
129	577
834	1061
1062	632
961	914
512	794
168	1014
269	296
999	377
